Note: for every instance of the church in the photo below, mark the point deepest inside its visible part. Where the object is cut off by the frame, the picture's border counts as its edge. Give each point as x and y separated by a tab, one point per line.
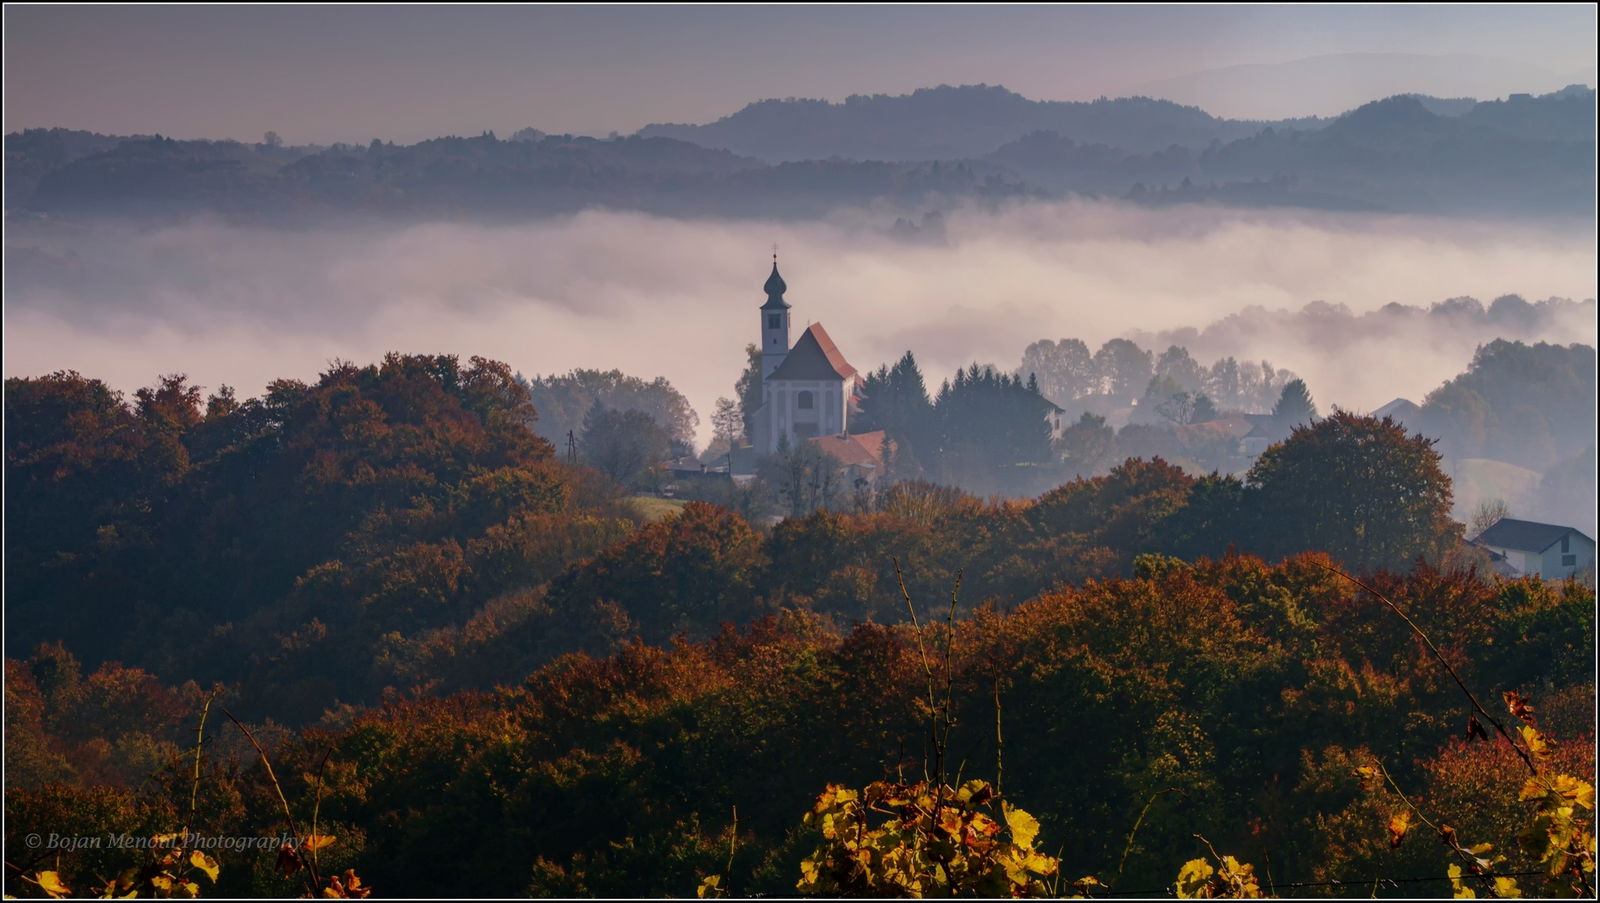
807	390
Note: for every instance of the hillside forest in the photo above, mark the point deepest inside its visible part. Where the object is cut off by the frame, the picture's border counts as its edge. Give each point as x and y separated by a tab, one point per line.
383	617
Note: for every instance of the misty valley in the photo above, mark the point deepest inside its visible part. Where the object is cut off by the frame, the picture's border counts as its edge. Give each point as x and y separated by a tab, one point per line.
1172	505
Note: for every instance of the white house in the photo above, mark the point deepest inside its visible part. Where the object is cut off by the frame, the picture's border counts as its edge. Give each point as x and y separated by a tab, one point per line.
806	390
1548	550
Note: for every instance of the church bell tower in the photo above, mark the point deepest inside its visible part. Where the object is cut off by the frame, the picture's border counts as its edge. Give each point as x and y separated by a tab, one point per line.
774	322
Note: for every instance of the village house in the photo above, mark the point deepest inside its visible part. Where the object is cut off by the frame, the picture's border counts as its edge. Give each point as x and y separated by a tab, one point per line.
1523	548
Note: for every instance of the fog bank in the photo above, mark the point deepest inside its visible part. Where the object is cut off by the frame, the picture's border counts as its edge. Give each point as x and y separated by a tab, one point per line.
660	297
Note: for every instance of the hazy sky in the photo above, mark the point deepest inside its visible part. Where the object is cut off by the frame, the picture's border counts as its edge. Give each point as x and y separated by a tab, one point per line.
325	73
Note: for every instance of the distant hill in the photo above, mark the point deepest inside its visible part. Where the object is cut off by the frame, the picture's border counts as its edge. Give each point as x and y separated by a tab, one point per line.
1565	115
1527	154
1444	106
1327	84
465	177
1407	153
947	123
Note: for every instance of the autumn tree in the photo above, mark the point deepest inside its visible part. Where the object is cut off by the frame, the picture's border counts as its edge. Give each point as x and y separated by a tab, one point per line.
803	477
748	390
1088	444
727	425
622	444
1356	487
1487	513
1176	364
1124	368
1065	369
689	572
564	401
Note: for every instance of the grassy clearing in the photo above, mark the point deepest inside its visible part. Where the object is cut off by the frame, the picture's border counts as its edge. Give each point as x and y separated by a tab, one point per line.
656	508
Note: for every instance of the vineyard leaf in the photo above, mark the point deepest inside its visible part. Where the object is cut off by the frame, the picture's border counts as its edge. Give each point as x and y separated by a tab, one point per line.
1398	826
1506	888
1533	789
1193	877
288	861
1368	776
50	883
1580	792
1024	827
1538	744
1519	706
205	864
1462	891
975	792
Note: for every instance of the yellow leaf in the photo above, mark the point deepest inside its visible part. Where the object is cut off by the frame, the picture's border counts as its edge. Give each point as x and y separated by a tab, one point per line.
1398	826
314	842
1538	744
1580	792
1506	887
1531	790
205	864
1462	891
50	883
975	792
1193	877
808	875
1041	864
1024	827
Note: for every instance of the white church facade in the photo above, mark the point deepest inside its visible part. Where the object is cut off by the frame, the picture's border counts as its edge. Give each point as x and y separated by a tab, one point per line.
806	389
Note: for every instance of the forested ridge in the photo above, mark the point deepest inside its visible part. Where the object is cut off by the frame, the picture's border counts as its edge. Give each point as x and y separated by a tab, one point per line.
487	674
801	158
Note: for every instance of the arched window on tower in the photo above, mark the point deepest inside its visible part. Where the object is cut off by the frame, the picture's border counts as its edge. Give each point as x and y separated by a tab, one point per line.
806	402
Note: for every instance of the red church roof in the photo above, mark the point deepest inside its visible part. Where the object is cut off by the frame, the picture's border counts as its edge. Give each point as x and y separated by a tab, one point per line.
814	356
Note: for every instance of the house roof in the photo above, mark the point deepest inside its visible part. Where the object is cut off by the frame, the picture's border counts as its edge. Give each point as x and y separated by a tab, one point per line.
814	356
1234	427
1523	535
855	450
1399	409
1262	426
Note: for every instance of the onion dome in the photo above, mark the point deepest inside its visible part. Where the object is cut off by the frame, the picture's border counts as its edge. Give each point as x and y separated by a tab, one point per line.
774	288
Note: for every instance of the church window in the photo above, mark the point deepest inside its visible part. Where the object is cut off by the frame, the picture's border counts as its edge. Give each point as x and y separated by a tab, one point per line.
773	321
806	403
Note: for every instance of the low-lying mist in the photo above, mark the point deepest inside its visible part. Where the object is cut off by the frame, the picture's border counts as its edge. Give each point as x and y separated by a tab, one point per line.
664	297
